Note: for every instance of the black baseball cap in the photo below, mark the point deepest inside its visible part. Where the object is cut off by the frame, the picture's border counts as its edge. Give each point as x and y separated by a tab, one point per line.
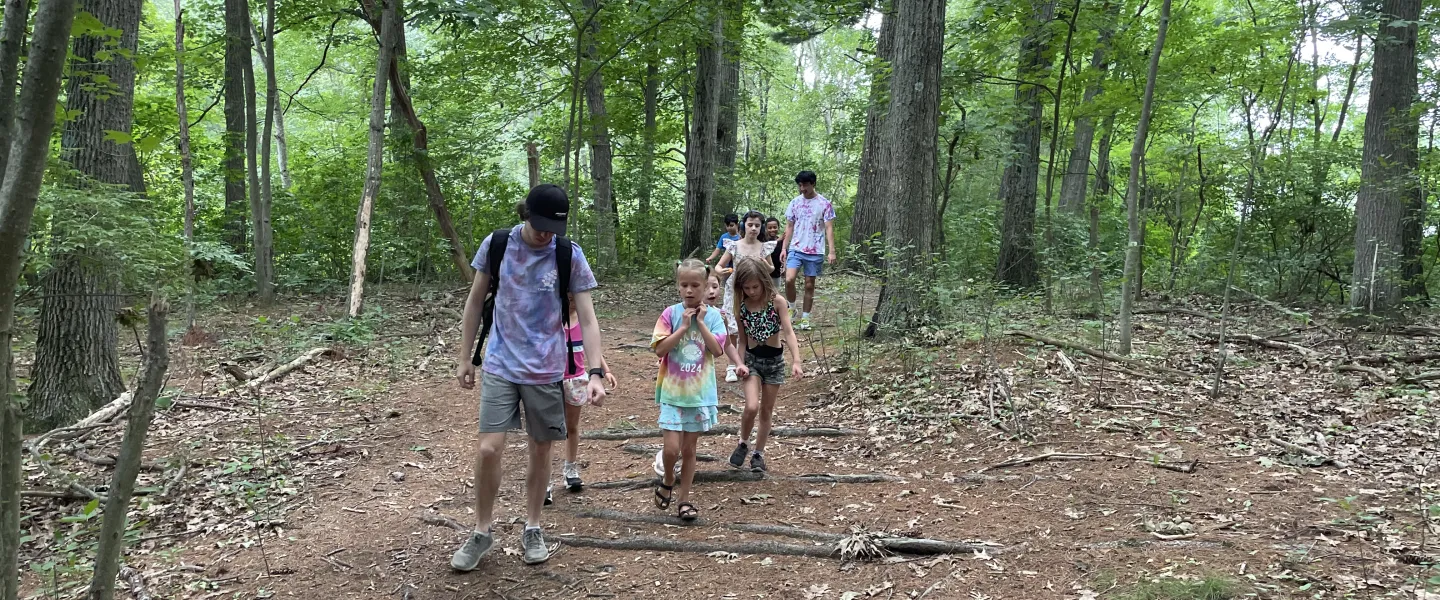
548	207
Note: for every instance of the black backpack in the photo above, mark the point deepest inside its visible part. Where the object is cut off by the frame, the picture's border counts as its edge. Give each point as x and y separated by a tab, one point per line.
499	240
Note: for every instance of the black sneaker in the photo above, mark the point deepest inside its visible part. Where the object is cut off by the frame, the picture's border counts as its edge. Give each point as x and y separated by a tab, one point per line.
548	500
757	463
737	458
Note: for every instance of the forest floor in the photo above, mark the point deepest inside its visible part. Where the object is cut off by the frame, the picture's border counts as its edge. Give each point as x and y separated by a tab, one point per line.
335	481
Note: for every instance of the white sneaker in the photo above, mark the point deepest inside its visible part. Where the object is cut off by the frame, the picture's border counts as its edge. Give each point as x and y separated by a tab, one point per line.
804	324
730	376
660	465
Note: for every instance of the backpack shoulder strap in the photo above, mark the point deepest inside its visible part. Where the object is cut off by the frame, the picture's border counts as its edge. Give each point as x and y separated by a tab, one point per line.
564	258
499	241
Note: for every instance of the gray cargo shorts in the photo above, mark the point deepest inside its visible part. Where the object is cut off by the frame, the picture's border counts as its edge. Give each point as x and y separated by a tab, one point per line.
501	400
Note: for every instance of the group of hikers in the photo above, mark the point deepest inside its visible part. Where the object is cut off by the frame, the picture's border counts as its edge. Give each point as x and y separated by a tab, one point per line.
544	362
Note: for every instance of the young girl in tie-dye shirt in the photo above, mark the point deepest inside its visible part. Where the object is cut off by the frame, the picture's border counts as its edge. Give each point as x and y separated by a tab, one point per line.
688	336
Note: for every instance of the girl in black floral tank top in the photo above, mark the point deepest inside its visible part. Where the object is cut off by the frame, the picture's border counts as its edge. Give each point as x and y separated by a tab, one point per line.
765	330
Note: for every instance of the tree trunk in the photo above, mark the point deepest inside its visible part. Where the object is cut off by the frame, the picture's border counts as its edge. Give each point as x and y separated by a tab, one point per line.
700	151
601	160
1389	202
644	229
910	130
282	150
728	123
127	466
1102	189
404	106
259	198
27	156
12	42
264	237
1072	185
237	55
1050	162
187	165
375	160
1132	188
870	197
1017	263
77	365
265	47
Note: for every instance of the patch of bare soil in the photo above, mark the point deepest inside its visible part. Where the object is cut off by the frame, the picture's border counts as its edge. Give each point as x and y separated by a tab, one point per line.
1063	477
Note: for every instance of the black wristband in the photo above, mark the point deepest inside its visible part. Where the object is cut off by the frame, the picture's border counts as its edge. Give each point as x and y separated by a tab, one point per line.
597	373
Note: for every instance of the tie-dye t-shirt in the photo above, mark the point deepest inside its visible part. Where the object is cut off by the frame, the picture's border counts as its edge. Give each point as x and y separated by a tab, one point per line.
809	216
687	373
527	345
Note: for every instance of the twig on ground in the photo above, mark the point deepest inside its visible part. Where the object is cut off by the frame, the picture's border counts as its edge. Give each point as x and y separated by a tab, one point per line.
1265	342
69	480
281	371
136	582
1151	409
439	520
1178	467
1387	358
190	404
170	487
1324	458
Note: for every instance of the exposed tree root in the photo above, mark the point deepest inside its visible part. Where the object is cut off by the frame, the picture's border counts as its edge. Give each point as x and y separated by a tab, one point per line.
1372	371
1178	467
743	476
651	449
625	434
652	544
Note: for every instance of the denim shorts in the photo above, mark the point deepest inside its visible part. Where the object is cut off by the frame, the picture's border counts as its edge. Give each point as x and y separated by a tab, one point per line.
813	264
770	370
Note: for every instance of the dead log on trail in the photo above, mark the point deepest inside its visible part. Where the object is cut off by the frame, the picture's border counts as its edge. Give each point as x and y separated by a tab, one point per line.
1372	371
1100	354
1401	358
745	476
625	434
281	371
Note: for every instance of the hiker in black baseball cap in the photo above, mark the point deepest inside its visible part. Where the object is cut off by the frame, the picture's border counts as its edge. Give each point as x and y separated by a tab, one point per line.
548	206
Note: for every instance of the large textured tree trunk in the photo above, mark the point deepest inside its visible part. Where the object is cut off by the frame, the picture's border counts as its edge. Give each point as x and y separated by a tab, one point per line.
910	131
1132	188
375	160
264	238
727	127
868	219
127	465
237	55
1386	209
700	151
26	158
1017	264
187	164
601	156
644	230
1072	185
77	365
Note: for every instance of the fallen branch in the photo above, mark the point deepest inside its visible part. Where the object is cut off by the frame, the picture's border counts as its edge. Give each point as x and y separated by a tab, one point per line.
281	371
136	581
1324	458
625	434
96	419
109	461
1178	467
1177	311
905	545
651	544
1429	376
651	449
1266	342
439	520
69	480
1101	354
746	476
1302	317
189	404
1389	358
1149	409
1372	371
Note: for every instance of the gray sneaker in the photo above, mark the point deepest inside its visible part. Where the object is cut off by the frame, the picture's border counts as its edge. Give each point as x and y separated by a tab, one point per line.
475	548
533	542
